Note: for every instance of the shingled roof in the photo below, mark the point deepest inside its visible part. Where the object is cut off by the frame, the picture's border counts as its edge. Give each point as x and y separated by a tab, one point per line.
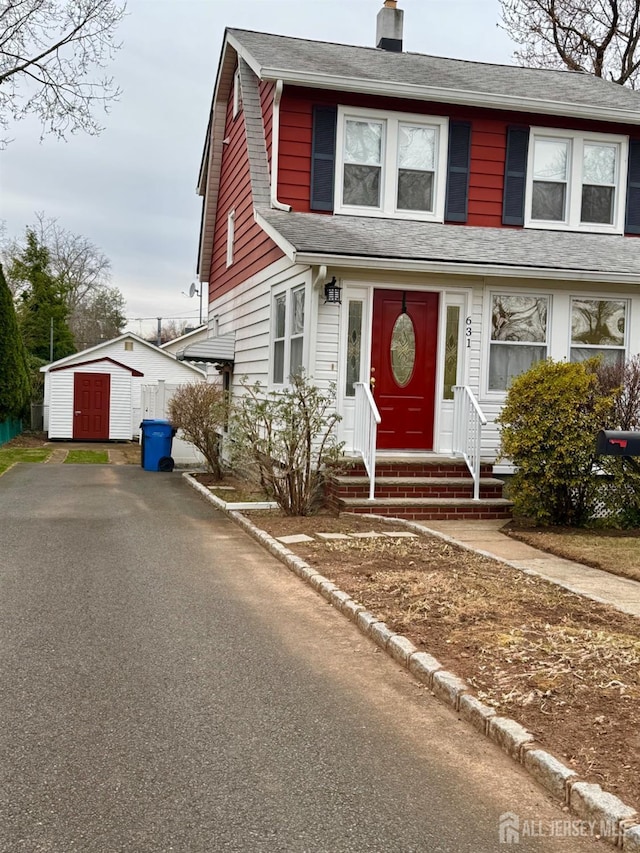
315	238
414	75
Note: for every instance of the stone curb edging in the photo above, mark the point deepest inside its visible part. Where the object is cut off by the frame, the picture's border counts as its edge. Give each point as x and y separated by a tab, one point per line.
585	800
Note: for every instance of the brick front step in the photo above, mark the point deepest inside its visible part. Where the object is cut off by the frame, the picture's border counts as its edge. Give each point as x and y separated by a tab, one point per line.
435	466
443	509
437	487
414	487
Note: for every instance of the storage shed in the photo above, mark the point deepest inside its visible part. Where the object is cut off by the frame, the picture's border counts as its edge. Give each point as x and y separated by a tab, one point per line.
96	394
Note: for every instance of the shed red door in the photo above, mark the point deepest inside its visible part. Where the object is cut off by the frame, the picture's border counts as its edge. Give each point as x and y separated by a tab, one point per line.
91	396
403	365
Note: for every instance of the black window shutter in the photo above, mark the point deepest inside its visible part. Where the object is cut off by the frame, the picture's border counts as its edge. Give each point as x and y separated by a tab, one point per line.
455	209
323	156
633	189
515	176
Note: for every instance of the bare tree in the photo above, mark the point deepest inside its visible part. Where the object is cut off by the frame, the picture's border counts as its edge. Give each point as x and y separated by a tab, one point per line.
99	317
82	272
600	37
80	266
200	410
170	330
49	53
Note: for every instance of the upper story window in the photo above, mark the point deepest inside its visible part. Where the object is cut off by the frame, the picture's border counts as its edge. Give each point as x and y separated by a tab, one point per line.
391	164
576	181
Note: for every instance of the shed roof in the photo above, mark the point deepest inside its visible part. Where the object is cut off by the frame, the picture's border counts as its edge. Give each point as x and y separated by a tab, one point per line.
83	355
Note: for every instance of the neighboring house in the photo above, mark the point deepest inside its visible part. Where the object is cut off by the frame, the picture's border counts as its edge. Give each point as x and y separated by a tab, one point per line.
96	394
476	218
193	337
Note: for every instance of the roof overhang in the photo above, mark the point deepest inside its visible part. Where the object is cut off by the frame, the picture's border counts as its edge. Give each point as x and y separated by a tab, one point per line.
131	370
442	265
464	269
219	350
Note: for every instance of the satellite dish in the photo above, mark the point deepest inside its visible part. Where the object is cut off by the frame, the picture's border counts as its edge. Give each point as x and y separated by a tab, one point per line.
192	289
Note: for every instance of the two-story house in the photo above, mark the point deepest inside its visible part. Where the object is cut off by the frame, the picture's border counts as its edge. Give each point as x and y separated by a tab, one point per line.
411	224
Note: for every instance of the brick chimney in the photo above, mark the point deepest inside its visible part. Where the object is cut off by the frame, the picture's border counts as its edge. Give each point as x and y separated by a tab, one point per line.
389	27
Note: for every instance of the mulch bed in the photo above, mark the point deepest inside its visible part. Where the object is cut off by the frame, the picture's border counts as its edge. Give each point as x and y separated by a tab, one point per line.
565	667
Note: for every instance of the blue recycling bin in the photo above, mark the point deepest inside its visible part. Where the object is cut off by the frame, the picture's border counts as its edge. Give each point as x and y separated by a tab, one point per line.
157	437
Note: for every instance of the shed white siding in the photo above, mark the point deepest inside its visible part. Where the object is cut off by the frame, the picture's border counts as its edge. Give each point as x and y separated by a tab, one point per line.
61	405
125	414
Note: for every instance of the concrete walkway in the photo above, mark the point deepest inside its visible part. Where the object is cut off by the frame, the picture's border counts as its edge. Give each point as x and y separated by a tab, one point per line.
485	538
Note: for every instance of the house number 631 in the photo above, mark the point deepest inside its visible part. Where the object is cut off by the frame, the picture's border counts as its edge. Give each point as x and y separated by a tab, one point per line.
467	331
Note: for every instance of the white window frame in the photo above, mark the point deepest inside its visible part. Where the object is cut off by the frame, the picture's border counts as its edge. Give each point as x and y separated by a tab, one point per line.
389	163
497	393
231	235
598	348
576	142
289	335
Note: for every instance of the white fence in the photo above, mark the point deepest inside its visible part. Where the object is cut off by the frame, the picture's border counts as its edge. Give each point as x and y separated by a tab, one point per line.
154	402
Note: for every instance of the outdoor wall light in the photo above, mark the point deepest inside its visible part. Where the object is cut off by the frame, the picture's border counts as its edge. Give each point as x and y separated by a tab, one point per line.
332	291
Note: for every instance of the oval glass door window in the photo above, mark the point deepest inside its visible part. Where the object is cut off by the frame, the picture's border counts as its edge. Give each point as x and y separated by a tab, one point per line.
403	350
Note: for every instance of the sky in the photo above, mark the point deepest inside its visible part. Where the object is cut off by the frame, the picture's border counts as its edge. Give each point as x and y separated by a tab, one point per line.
132	190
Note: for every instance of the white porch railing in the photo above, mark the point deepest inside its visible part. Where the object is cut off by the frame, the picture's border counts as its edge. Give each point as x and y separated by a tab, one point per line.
367	419
468	420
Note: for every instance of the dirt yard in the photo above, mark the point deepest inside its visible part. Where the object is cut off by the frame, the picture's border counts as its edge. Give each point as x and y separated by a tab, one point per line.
565	667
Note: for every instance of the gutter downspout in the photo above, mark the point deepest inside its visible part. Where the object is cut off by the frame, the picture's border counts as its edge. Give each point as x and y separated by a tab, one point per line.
275	145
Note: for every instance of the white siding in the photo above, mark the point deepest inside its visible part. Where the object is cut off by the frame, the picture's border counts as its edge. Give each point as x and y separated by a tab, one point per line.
120	425
153	363
247	312
61	400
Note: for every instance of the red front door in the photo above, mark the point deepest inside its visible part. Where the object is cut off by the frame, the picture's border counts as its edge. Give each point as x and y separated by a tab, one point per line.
91	396
403	365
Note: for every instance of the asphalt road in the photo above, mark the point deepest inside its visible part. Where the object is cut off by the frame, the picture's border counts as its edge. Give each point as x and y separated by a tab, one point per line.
165	685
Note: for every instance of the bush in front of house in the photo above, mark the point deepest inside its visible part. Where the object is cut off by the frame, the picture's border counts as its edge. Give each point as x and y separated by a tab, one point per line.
289	437
549	424
200	410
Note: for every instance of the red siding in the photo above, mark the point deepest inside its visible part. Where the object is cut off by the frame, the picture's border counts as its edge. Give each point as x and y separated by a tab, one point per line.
488	148
253	250
488	144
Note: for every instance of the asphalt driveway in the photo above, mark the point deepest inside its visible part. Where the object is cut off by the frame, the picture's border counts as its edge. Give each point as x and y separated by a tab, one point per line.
168	686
